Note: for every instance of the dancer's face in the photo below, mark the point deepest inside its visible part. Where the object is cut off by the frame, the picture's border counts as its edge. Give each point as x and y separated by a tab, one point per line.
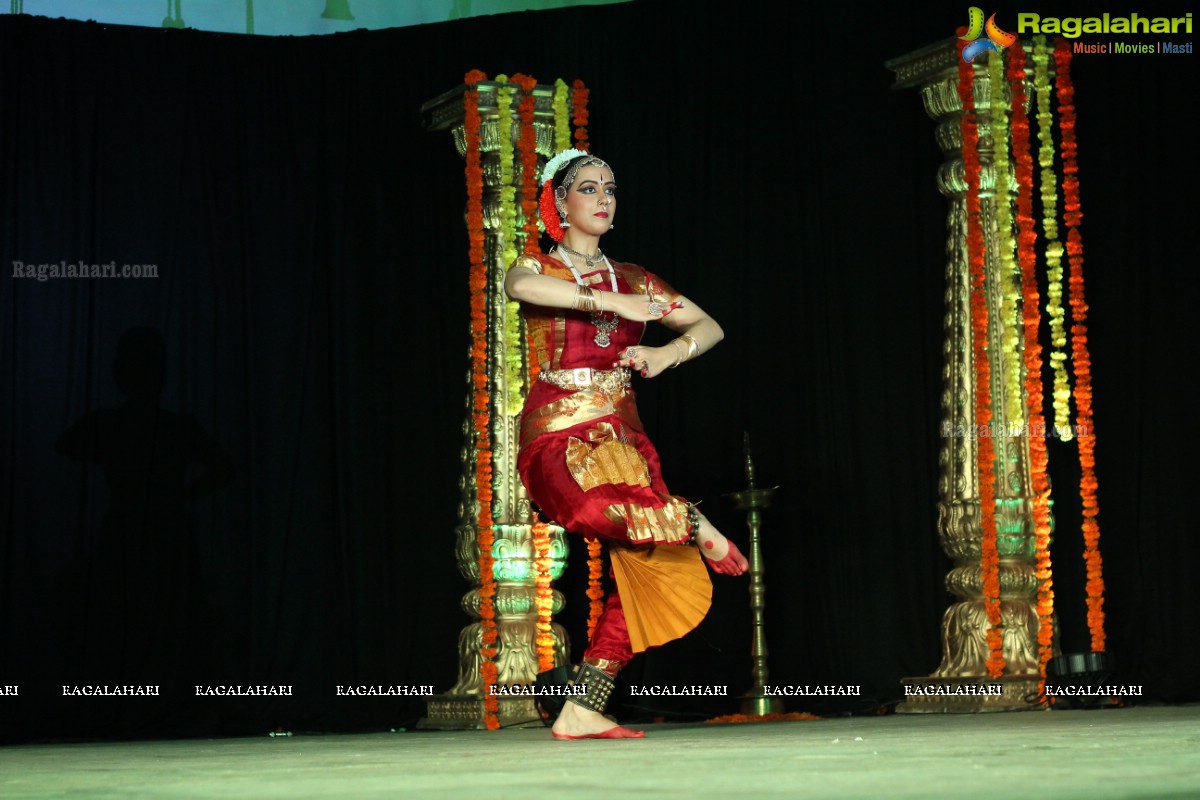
592	200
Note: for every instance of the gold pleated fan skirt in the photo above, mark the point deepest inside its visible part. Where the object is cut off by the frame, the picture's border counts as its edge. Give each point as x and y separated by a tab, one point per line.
665	592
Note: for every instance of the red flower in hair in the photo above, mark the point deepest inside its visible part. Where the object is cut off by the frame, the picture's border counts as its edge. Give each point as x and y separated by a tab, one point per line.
549	211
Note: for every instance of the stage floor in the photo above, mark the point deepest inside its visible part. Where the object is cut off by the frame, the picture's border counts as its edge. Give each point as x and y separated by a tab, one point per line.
1148	752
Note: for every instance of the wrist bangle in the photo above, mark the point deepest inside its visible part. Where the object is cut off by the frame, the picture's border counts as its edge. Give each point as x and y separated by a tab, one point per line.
585	299
692	345
693	349
679	354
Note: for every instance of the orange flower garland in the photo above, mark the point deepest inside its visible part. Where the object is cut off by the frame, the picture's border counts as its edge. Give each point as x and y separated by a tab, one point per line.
1080	358
485	535
545	596
1038	456
595	591
986	456
529	204
579	100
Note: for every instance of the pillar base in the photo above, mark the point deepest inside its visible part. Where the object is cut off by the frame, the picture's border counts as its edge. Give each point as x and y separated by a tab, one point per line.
464	712
969	694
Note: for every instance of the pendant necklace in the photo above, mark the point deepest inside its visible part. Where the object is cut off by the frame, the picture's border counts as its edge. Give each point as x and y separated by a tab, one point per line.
604	327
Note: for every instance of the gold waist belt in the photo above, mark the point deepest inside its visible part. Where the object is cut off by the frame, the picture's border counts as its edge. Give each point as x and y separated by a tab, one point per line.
609	381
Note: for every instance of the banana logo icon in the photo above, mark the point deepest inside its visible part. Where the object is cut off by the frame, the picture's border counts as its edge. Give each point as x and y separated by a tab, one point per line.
974	24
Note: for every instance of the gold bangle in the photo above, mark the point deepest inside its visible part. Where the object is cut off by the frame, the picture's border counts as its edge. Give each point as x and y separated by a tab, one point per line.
585	299
693	347
679	356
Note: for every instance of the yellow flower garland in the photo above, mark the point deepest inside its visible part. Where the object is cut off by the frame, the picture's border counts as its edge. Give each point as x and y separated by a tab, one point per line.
1009	272
513	352
1054	248
562	116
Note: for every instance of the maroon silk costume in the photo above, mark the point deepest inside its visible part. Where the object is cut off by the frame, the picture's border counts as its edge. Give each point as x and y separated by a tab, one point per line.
587	463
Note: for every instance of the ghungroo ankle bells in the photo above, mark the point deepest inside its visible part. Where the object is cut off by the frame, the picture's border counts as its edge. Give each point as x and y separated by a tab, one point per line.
693	515
598	686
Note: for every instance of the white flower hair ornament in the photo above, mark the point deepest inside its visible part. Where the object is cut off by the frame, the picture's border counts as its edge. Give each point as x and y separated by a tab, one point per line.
555	164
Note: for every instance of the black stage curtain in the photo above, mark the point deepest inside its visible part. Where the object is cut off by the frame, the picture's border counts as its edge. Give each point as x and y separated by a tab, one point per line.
244	470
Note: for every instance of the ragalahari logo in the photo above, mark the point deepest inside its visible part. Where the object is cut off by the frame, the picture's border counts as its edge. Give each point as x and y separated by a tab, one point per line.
996	39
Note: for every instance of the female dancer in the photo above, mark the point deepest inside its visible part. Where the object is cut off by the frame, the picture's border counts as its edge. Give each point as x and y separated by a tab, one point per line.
585	459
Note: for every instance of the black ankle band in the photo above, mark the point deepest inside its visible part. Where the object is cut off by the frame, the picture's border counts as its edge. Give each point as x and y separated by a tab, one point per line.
598	688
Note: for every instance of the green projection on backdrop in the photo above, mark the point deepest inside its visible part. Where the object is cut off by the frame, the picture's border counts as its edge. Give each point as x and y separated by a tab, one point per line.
282	17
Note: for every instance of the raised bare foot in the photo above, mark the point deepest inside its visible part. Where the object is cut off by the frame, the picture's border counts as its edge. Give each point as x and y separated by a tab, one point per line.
723	555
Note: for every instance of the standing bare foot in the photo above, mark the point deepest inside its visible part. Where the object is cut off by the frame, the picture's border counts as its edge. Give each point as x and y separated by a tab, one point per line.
577	722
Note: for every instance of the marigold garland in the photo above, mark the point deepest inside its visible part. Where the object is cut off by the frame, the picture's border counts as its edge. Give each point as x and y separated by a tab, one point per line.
1008	274
595	590
562	119
485	535
529	157
545	596
986	456
513	357
1038	455
1080	358
1054	250
579	101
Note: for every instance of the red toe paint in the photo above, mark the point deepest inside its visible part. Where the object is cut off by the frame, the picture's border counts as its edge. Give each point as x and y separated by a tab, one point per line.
618	732
734	563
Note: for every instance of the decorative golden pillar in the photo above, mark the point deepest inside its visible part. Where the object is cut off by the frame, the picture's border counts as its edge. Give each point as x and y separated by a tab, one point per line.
514	571
961	683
